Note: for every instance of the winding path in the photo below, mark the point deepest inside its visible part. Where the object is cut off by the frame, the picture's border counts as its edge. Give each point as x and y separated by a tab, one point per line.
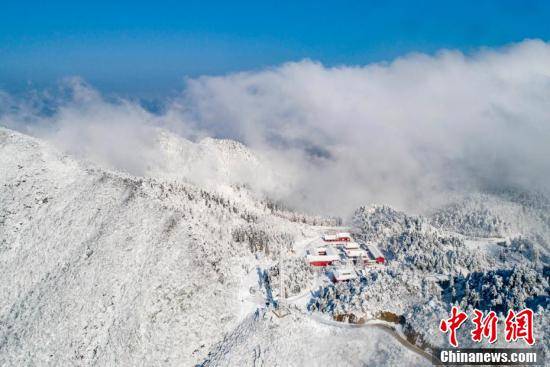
378	325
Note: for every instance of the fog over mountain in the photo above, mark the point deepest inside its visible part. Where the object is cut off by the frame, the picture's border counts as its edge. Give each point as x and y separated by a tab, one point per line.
188	234
404	133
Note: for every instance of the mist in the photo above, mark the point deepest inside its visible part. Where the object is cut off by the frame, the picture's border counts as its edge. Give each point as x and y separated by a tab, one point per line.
325	139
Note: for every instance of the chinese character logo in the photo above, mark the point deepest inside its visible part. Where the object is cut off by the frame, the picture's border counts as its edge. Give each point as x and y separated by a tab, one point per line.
452	324
520	326
517	326
485	326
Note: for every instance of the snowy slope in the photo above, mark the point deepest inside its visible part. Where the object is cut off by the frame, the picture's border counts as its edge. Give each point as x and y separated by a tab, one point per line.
214	164
102	268
298	340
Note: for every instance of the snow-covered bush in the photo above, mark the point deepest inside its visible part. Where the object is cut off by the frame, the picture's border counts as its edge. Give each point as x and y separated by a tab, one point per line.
279	209
430	252
531	248
377	222
262	238
411	240
499	290
385	290
470	220
298	276
346	298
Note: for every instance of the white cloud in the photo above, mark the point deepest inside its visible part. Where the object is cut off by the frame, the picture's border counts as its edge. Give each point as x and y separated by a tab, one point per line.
401	133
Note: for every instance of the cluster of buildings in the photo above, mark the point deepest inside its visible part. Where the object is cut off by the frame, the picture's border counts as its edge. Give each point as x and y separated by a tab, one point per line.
344	255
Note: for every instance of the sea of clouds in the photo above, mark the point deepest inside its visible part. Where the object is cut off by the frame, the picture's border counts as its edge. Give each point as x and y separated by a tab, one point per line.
405	133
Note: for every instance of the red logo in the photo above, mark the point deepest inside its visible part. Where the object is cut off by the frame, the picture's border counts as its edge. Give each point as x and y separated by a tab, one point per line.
520	326
485	326
452	324
517	326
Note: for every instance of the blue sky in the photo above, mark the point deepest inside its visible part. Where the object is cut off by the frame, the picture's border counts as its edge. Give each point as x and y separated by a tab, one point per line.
148	48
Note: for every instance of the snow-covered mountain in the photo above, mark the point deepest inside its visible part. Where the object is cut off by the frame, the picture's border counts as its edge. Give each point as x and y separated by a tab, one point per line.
208	162
99	267
102	268
175	267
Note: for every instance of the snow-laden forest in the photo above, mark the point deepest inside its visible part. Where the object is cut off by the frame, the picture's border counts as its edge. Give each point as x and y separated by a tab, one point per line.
450	257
